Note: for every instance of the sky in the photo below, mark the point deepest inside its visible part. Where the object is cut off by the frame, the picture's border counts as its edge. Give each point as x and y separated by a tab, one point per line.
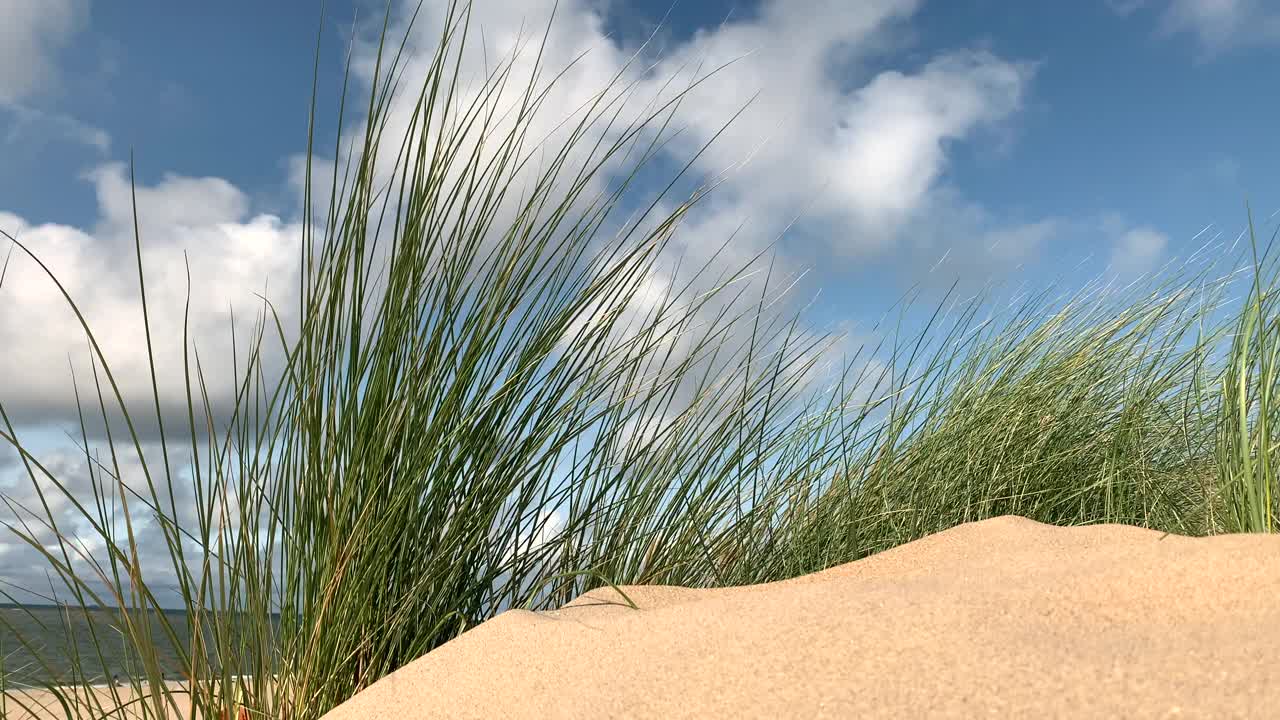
892	144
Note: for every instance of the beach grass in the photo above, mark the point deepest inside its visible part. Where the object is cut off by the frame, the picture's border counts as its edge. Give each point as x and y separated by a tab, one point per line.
384	491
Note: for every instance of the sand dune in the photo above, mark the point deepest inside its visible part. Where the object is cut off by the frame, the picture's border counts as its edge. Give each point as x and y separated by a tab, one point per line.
1000	618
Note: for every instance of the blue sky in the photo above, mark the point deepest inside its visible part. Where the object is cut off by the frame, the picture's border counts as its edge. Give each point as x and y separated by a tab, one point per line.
1013	139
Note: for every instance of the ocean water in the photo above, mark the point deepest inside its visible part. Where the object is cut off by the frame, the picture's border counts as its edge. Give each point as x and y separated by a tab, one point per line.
45	628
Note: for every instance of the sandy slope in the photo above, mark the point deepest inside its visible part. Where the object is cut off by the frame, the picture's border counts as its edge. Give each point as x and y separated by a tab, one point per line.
1000	618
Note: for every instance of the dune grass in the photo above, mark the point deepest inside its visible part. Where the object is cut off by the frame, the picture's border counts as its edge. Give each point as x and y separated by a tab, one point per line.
381	494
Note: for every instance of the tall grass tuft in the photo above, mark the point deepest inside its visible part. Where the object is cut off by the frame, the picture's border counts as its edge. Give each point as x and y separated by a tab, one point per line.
389	486
1248	424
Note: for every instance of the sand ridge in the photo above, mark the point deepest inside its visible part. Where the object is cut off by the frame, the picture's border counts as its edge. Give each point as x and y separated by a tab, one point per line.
1004	617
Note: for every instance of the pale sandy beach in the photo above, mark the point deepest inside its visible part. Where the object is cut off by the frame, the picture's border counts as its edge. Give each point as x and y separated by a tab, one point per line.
41	704
98	702
1000	618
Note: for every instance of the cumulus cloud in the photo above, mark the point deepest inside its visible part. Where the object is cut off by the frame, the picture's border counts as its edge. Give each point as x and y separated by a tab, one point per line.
232	255
859	162
201	221
861	165
94	483
872	156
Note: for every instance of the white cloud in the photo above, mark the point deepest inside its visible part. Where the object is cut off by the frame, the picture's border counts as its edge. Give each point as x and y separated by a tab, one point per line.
1223	24
860	162
232	255
176	204
1138	250
27	574
33	125
1218	25
201	220
889	148
529	540
1125	7
31	34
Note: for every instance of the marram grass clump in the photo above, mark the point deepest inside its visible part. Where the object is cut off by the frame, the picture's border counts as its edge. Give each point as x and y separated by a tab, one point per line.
380	494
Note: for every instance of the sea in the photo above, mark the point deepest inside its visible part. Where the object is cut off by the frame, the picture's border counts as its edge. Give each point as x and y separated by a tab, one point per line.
59	635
